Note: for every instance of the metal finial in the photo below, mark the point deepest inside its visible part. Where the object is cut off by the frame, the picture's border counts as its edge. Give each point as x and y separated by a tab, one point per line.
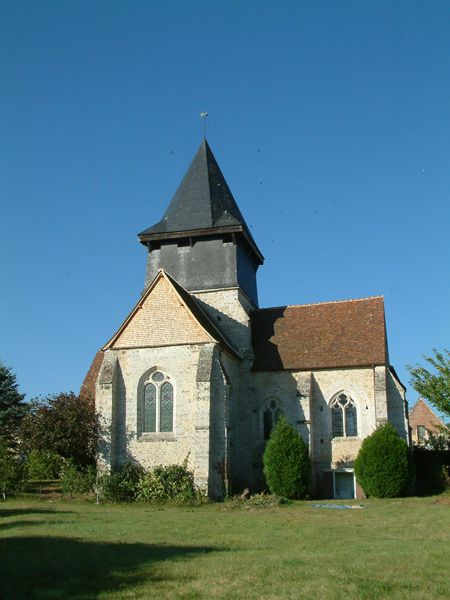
203	116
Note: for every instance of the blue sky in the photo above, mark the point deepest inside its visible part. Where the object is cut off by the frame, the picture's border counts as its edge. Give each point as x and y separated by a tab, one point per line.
330	121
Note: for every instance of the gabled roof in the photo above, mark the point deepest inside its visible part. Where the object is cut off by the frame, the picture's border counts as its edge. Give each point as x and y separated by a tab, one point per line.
202	203
191	304
348	333
421	413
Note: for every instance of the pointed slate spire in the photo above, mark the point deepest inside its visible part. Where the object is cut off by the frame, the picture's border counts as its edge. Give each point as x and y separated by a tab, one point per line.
202	241
203	201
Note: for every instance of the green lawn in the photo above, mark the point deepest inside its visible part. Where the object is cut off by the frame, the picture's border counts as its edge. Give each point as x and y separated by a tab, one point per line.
62	549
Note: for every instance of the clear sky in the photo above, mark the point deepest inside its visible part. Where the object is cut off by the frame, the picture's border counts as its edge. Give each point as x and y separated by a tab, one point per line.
330	121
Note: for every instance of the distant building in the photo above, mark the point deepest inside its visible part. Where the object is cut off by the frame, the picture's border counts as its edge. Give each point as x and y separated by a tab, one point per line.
198	370
422	422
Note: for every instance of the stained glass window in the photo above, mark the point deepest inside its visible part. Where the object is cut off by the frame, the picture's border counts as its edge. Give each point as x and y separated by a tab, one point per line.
338	421
158	404
270	417
350	420
166	407
267	418
343	417
150	407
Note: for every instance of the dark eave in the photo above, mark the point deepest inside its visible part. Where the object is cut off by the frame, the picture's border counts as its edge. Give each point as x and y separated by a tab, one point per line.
145	237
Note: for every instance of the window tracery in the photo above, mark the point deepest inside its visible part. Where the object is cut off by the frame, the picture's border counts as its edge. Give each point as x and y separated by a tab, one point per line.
344	422
272	412
158	404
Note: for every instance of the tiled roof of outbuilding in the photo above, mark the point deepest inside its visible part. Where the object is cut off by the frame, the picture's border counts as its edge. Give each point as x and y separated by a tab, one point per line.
347	333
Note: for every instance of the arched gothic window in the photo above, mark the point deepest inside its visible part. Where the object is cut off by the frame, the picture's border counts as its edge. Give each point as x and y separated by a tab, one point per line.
271	414
158	404
343	416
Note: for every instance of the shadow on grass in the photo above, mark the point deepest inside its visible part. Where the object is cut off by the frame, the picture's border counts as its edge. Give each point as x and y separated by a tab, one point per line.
17	524
21	512
51	567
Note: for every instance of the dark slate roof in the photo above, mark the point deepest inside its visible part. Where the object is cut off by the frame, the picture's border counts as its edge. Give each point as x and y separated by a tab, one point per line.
203	201
348	333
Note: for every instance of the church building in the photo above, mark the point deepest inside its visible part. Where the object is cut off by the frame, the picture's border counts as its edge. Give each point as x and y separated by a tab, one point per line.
199	371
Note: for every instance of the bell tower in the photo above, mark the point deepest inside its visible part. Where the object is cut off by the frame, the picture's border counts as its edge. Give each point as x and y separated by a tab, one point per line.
203	241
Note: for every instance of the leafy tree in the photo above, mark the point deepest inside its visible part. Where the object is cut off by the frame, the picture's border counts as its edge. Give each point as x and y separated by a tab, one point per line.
12	471
44	464
287	464
12	407
383	467
434	387
64	424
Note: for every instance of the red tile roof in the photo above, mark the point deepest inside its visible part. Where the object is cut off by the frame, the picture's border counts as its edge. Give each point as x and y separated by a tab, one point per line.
87	390
347	333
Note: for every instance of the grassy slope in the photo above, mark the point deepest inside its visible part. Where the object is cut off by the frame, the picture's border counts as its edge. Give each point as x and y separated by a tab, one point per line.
391	549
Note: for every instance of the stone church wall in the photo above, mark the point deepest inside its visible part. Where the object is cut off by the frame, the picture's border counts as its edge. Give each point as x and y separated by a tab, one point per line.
191	408
304	398
396	406
229	310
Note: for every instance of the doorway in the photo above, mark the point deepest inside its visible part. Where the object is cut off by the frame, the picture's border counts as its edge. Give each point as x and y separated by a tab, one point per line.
344	484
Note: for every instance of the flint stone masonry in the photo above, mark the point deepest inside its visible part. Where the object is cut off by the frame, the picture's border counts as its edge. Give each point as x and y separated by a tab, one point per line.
191	408
229	309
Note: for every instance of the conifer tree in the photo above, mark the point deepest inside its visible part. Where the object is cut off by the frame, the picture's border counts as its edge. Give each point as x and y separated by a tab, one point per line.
286	462
12	407
383	467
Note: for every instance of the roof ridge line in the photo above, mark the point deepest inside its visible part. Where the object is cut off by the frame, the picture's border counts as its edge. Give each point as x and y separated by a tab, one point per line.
429	408
206	147
320	303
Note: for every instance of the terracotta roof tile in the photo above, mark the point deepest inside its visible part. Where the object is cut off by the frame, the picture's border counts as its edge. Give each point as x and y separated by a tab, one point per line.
347	333
87	390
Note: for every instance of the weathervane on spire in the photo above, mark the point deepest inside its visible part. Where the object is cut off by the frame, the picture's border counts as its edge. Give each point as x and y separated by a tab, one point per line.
203	116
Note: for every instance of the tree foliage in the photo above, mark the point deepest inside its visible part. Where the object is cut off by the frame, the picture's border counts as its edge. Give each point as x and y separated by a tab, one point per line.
64	424
44	464
287	463
12	471
12	407
121	485
434	386
78	480
173	482
383	467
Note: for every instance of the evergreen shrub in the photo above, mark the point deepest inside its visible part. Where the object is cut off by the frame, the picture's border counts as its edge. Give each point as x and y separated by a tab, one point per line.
174	482
383	467
287	464
122	485
44	464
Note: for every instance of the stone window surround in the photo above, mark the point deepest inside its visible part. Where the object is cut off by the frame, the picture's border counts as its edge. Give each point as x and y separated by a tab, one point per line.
154	436
334	399
264	406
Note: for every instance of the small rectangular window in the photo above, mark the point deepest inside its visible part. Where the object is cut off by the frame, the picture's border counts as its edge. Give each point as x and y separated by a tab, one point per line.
421	433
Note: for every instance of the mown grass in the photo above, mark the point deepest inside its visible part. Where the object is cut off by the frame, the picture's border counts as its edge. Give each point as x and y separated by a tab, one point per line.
66	549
